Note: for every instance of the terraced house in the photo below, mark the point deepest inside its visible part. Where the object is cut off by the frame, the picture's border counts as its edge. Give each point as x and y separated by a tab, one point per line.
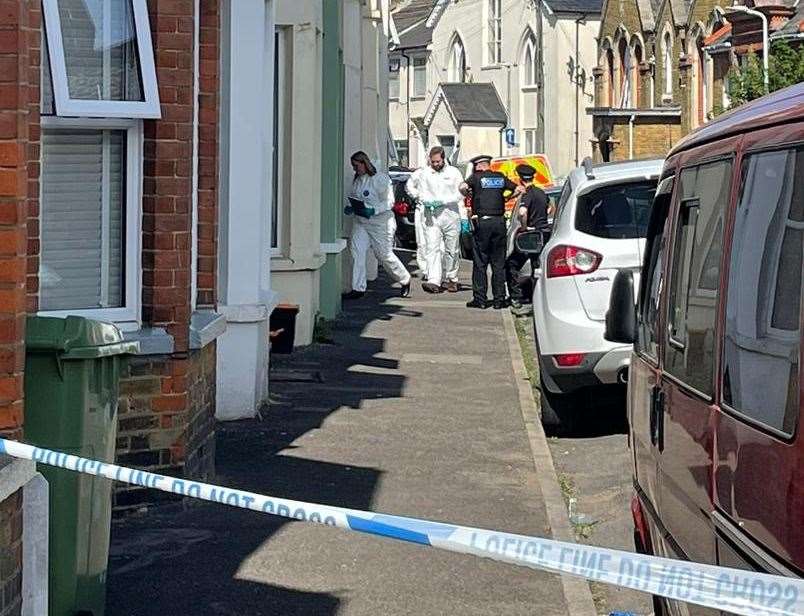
663	68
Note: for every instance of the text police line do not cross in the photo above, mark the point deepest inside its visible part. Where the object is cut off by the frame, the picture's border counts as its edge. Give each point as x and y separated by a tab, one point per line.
732	590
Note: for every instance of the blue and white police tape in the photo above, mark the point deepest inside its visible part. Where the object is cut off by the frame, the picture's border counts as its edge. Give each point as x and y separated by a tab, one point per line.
731	590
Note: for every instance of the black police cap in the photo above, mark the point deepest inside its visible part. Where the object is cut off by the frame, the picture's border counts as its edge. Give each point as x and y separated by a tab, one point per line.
526	172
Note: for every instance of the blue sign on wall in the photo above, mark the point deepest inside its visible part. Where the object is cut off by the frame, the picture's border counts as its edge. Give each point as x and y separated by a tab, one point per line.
510	137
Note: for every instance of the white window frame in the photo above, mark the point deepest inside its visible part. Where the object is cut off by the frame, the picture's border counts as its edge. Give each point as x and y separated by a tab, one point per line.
422	69
66	106
493	30
528	133
393	77
457	61
282	105
667	42
126	317
529	71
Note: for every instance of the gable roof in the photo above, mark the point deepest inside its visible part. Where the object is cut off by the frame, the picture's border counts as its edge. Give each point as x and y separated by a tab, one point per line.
468	103
586	7
410	17
795	25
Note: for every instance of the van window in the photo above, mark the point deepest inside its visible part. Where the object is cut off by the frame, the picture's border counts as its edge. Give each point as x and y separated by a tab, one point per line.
697	246
616	212
761	346
650	292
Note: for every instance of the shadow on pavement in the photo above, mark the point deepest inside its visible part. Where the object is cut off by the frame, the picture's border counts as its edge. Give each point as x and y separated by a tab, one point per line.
194	558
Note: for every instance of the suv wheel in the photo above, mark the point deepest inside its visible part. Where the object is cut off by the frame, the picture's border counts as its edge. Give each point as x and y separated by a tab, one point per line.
557	411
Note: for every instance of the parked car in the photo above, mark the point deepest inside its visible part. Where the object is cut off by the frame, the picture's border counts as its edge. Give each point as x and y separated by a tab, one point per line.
598	228
404	208
715	388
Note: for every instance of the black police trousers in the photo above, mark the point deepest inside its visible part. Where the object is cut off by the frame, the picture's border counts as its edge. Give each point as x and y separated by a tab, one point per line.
490	241
513	265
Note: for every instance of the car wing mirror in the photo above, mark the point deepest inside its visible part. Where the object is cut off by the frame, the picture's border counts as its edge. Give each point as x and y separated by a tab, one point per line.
621	316
530	242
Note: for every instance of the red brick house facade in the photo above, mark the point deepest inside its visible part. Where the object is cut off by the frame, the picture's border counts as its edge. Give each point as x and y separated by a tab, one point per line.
109	209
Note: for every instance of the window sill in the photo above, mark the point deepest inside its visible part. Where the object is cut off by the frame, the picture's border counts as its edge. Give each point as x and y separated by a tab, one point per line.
288	264
153	340
414	99
530	88
205	327
491	67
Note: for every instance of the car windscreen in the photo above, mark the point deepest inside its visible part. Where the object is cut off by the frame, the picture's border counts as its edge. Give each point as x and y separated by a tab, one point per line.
618	211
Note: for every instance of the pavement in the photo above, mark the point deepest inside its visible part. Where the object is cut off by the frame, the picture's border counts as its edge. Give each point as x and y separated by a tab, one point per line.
411	407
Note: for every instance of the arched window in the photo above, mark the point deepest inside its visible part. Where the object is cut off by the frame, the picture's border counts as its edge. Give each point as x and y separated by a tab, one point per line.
636	82
610	77
529	103
529	61
668	63
626	70
703	81
456	67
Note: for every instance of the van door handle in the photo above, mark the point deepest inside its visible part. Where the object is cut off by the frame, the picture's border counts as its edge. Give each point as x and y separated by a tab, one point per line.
657	418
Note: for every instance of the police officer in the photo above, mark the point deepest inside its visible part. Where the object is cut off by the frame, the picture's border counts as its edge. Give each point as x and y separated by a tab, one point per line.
530	215
489	190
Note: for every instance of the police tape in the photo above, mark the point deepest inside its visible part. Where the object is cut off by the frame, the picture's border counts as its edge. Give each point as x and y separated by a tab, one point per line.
731	590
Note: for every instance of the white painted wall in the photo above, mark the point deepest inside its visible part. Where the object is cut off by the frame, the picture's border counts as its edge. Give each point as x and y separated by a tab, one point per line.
559	52
246	298
295	270
365	51
467	19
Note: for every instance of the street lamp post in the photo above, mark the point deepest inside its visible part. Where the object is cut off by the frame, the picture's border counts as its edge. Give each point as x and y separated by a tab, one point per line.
765	49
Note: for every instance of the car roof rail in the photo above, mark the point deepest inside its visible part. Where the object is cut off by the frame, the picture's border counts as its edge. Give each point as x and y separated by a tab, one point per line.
587	168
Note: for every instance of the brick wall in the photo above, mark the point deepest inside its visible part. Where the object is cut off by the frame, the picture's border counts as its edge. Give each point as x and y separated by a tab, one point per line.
652	138
166	425
11	555
167	183
209	54
19	134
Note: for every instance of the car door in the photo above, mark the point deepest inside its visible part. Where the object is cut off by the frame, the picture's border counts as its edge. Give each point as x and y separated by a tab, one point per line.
757	448
644	372
685	398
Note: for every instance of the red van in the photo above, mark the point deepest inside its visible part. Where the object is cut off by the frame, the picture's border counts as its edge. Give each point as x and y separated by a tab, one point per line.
715	387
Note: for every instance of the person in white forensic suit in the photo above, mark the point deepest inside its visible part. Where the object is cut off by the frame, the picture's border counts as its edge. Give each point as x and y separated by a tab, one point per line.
436	190
374	226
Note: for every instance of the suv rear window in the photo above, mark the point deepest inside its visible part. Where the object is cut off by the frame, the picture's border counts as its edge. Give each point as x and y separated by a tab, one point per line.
617	212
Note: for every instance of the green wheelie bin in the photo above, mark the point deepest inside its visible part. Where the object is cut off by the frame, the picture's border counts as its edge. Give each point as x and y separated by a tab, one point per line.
72	374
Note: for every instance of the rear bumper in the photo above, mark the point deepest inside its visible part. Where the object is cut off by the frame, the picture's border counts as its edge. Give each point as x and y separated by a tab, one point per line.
601	368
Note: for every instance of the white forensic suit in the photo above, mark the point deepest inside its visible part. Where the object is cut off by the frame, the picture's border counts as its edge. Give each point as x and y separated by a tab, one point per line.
376	232
441	210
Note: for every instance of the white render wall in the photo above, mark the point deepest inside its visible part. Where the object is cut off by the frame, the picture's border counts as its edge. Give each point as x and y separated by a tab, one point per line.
295	269
559	50
365	55
246	298
467	19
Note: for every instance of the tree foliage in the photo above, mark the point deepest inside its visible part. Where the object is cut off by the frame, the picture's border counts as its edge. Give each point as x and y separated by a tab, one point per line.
785	68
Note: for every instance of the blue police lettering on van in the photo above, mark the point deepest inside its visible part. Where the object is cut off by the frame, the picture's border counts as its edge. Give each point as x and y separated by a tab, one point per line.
496	181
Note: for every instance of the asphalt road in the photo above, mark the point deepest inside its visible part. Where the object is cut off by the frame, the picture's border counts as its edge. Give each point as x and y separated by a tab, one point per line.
594	468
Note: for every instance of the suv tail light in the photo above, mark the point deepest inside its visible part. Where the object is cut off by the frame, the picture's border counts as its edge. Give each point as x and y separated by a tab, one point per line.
569	360
401	208
571	261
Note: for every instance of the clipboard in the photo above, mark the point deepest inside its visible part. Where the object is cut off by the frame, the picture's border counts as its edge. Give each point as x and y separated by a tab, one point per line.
358	206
